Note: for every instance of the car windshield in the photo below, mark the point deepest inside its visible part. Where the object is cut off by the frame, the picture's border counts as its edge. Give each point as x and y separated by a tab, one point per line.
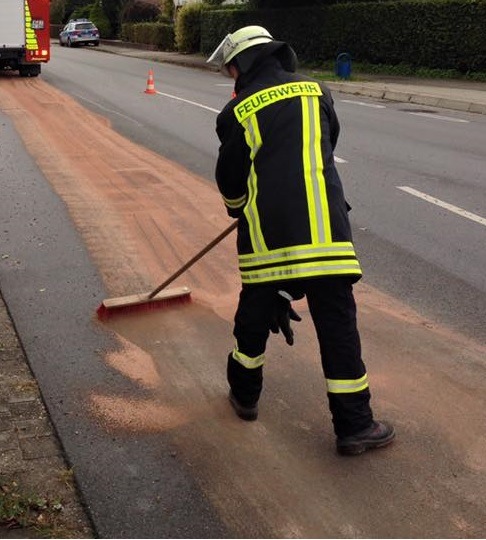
85	26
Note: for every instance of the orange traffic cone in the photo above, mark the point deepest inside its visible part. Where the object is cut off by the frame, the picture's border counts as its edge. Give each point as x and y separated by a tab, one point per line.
150	83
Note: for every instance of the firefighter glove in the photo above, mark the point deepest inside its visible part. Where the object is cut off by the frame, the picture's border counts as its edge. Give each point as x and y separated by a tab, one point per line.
282	315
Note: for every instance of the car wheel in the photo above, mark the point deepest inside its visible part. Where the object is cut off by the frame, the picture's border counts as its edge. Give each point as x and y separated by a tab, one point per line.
69	43
96	43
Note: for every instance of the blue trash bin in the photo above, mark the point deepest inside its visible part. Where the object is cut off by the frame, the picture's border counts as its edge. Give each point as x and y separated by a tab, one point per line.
343	65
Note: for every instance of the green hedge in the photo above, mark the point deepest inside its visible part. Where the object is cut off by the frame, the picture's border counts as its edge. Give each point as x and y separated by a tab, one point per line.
447	34
188	28
159	36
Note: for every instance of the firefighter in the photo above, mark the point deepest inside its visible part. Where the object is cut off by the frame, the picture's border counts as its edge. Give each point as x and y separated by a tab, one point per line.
276	174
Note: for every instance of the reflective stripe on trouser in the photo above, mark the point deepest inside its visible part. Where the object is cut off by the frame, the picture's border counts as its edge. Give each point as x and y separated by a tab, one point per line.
333	310
251	330
245	376
347	386
246	384
249	362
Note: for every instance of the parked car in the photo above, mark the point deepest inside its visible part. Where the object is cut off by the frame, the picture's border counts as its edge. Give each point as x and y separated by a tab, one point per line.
79	32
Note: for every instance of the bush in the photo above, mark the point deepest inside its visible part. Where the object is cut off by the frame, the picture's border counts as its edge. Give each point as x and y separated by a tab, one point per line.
139	11
159	36
164	38
98	17
167	11
269	4
188	28
441	34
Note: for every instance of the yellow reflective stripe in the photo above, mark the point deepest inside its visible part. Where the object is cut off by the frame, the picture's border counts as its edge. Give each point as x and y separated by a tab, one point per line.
254	141
30	37
248	361
302	270
320	221
347	386
259	100
235	203
306	251
306	161
322	205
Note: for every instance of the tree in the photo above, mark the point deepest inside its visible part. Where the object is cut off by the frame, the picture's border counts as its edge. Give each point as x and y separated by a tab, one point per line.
98	15
167	8
74	5
112	9
58	9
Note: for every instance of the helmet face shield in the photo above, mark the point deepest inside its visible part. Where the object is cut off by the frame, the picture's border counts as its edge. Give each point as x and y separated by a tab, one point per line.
217	58
236	43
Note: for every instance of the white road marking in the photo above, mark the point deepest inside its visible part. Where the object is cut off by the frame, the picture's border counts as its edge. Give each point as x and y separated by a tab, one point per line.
442	204
372	105
439	117
425	114
108	110
189	101
196	104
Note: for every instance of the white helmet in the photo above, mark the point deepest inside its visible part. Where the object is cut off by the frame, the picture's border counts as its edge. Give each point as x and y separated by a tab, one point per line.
237	42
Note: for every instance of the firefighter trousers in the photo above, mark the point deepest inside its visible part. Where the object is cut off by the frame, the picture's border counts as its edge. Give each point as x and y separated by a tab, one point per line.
333	311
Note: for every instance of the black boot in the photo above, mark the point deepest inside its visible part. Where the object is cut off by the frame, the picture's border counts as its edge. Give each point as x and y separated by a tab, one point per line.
245	413
246	386
377	435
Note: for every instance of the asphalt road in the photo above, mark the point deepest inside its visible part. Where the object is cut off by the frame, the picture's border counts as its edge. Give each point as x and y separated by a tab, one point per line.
52	290
412	174
114	86
181	465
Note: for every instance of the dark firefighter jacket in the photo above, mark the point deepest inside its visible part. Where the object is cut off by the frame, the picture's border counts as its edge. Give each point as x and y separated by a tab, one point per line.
276	173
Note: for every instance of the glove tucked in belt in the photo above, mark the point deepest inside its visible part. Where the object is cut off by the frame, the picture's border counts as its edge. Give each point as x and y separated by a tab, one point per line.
282	315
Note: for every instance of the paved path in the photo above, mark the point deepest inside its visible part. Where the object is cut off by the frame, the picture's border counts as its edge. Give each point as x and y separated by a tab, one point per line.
31	459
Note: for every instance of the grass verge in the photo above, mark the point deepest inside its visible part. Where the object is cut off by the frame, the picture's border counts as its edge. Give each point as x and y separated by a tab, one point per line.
359	71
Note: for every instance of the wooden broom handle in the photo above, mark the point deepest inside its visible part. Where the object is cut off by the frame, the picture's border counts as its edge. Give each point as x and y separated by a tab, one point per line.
196	257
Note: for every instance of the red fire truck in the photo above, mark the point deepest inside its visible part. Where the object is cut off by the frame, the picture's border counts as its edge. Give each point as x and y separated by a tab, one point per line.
24	35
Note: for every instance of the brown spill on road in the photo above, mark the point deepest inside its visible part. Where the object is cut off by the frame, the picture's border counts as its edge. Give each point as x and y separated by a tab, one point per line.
141	217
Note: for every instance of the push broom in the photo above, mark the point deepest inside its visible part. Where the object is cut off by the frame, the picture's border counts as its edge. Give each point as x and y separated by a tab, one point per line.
159	297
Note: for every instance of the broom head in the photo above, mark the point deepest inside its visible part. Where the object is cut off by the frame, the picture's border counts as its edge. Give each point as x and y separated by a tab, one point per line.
141	302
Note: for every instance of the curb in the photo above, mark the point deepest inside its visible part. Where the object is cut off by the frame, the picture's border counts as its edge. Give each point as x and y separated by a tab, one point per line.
407	97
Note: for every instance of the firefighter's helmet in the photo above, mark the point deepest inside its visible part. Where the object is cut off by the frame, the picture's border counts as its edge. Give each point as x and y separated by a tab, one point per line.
237	42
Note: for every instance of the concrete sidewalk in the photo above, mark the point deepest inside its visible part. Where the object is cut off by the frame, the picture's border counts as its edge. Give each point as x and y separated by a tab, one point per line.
459	95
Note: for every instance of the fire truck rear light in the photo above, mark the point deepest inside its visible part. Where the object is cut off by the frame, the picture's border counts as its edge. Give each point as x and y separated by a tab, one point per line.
44	52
